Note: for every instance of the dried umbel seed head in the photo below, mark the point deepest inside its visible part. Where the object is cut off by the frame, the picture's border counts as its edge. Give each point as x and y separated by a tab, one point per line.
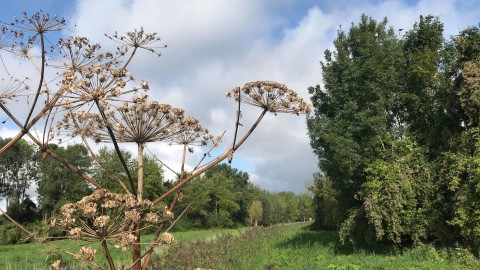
11	89
190	132
57	264
167	238
124	240
151	218
86	253
39	22
271	96
101	221
138	39
167	214
76	232
104	215
77	53
67	210
141	122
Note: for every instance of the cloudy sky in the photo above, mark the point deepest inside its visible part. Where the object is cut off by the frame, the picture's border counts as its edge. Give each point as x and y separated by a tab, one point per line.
214	46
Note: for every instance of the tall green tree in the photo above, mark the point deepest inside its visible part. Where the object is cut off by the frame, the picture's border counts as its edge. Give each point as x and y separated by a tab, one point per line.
356	113
430	105
57	185
255	212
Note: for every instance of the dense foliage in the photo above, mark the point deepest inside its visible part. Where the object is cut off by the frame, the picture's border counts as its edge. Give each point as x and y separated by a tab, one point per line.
396	131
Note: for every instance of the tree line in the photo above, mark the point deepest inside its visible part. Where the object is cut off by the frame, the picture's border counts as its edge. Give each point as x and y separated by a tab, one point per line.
396	128
222	197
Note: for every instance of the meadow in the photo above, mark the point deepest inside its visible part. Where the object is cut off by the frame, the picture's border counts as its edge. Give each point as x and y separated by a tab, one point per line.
287	246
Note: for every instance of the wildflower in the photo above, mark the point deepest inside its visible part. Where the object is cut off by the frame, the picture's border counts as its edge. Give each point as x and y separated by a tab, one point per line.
67	210
167	238
132	216
89	209
109	204
141	122
39	23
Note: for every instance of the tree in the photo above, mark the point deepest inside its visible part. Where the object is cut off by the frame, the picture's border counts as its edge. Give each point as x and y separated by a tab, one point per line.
244	189
305	206
356	116
214	201
18	170
396	135
255	212
291	209
57	185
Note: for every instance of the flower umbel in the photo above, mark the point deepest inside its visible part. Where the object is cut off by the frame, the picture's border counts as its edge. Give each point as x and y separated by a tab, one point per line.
272	96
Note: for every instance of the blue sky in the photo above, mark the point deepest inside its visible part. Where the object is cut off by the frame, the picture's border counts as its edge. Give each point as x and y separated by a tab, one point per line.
217	45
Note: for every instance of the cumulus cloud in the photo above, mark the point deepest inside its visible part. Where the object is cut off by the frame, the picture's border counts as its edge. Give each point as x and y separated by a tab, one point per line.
214	46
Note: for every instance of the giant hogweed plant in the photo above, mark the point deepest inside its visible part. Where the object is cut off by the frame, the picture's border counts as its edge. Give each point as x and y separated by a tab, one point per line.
89	93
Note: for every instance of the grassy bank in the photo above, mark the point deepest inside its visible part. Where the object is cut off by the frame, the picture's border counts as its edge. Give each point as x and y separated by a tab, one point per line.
293	246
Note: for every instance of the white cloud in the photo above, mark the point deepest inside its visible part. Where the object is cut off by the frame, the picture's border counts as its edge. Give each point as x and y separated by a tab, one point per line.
217	45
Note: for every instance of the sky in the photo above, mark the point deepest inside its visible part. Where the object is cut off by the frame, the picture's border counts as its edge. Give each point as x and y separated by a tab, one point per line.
215	46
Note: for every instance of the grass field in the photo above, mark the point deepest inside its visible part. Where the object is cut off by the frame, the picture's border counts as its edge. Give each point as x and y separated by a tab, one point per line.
290	246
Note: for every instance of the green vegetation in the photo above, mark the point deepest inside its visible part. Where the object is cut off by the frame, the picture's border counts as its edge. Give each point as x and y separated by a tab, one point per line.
40	256
396	130
284	246
294	246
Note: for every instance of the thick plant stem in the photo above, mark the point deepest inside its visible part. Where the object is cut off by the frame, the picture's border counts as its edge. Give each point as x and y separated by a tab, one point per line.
107	255
136	251
40	81
140	173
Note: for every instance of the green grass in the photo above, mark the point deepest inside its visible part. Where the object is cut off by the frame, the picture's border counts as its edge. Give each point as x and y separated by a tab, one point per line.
295	247
40	256
290	246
